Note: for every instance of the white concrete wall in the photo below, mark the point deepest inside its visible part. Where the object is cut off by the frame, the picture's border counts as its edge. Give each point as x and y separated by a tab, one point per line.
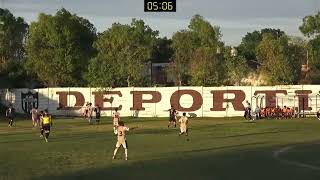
49	99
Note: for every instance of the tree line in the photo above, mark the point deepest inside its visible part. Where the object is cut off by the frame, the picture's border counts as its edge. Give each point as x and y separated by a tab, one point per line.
65	50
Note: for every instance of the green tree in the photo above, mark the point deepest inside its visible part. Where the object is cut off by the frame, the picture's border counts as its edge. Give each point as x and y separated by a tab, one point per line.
13	31
310	26
59	48
206	68
184	44
248	45
123	51
100	73
299	49
279	64
250	42
236	66
163	51
207	35
311	29
194	48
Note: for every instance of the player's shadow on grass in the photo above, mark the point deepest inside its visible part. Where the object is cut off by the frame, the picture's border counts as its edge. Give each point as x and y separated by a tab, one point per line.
223	147
156	131
250	122
58	138
253	134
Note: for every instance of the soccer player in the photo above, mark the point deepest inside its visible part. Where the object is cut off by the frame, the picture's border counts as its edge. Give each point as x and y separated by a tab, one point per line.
89	112
268	112
10	115
46	125
85	112
263	112
289	112
34	116
121	132
318	114
97	110
172	117
40	123
273	112
183	124
278	112
258	112
247	113
284	112
116	119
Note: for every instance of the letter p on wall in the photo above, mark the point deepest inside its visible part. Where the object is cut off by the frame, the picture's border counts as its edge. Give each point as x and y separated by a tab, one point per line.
138	99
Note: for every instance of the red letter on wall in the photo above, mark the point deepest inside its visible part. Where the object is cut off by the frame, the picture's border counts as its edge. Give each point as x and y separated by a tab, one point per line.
218	100
303	99
99	99
196	96
63	100
138	100
270	96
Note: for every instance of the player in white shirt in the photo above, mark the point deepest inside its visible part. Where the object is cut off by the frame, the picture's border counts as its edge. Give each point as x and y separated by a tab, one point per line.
121	132
183	125
89	112
116	119
34	116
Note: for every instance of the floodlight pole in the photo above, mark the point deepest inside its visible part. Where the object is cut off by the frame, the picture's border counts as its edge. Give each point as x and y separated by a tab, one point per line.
317	95
261	100
303	107
294	105
253	97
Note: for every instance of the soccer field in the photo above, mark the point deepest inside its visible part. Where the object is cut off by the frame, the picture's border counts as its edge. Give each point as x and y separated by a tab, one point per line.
216	149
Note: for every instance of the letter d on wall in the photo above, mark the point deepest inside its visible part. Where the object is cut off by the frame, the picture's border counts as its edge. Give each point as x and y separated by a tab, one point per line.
63	100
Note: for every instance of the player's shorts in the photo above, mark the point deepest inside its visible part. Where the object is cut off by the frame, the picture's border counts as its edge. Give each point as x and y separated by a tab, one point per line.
116	123
123	143
183	129
89	115
172	119
46	127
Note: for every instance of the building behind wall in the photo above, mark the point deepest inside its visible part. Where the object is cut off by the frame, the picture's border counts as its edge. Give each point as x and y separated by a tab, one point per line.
158	74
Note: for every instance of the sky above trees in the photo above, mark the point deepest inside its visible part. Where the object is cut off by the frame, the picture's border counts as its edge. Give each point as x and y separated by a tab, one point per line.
235	17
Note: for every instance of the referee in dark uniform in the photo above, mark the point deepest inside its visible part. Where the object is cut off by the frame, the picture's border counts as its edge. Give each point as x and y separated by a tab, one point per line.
172	117
10	115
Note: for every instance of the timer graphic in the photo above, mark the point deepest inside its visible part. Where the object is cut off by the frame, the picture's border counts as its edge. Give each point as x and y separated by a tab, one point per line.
160	5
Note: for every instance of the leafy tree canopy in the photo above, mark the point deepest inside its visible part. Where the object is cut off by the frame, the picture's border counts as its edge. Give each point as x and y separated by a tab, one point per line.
59	48
13	31
123	51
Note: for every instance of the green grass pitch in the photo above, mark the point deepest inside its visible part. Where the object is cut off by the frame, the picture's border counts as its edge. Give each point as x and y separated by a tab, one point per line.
216	149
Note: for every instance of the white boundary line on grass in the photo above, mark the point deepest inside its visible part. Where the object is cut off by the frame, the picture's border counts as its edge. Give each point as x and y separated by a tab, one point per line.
276	155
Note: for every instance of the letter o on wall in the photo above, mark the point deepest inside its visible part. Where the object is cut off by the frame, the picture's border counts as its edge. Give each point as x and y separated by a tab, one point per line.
196	96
